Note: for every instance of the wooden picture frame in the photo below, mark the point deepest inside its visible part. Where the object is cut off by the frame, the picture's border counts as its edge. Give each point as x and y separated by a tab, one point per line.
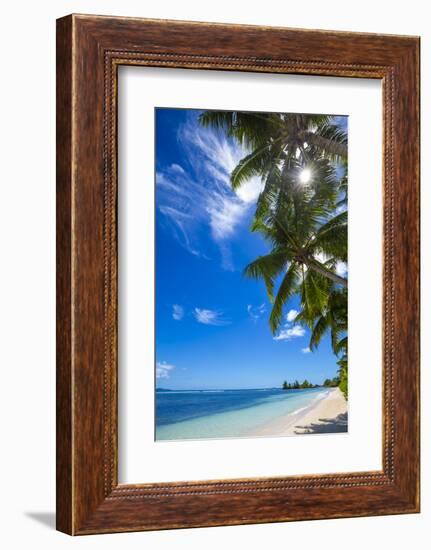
89	51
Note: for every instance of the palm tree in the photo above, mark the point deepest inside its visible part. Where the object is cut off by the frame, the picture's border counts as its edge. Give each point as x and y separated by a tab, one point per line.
300	213
343	374
331	318
284	147
276	137
304	249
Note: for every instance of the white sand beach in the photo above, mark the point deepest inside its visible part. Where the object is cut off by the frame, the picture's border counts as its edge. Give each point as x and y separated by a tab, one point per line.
328	415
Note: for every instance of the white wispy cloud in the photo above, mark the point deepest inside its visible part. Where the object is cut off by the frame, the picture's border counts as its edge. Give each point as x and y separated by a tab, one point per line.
224	215
175	192
210	317
202	194
177	168
291	315
306	350
215	157
287	333
163	369
290	329
256	312
177	312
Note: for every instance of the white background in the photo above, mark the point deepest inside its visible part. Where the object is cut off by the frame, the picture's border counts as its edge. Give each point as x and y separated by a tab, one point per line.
141	458
27	274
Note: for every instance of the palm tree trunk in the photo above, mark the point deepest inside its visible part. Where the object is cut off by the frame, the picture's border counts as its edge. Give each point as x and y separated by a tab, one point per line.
325	144
319	268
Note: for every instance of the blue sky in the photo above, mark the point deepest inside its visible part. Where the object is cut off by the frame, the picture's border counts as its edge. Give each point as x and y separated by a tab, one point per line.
212	322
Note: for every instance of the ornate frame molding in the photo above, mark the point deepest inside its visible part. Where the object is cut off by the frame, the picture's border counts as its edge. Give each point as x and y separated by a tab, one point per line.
90	49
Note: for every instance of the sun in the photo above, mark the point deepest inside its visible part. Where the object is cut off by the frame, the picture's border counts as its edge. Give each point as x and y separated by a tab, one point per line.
305	175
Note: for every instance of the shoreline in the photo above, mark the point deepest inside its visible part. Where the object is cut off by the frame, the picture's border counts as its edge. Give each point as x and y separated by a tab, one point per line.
327	415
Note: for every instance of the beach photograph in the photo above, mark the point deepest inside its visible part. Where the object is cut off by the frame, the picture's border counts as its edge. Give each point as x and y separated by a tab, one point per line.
251	278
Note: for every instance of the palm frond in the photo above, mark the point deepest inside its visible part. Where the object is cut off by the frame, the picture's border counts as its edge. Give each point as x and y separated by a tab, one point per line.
287	288
331	238
341	346
319	329
257	162
267	267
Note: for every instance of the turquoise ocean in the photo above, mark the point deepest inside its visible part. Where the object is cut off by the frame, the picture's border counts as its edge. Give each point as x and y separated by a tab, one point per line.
207	414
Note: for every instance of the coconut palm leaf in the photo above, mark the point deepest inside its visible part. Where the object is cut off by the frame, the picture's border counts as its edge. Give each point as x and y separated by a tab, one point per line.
267	267
258	162
319	329
268	198
328	139
288	288
341	345
317	289
252	130
331	238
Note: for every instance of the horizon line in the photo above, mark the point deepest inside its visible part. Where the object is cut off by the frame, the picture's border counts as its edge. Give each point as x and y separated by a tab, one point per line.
223	389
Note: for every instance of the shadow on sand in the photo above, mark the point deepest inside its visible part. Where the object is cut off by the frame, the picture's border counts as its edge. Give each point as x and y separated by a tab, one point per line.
325	426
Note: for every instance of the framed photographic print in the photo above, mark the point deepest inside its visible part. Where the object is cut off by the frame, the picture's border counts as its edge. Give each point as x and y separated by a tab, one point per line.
237	274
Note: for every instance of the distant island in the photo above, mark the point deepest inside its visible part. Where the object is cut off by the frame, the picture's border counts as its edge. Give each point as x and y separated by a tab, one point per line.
328	383
298	385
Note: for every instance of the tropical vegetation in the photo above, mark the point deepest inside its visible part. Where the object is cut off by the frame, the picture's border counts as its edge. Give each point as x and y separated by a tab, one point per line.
301	213
297	385
332	382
